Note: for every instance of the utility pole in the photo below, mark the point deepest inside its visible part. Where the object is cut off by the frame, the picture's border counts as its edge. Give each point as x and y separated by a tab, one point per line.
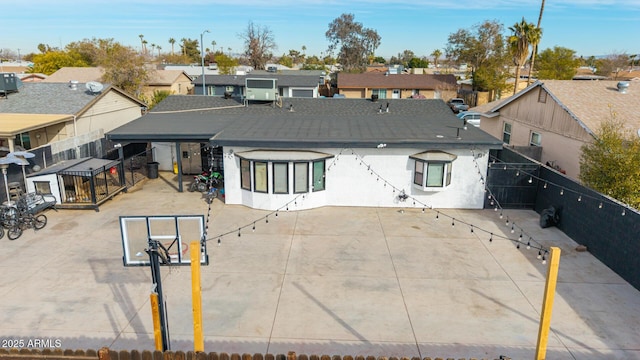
204	91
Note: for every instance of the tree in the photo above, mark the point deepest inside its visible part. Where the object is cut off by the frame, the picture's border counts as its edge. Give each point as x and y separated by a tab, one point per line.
416	63
123	67
225	63
52	61
354	42
286	60
379	60
191	50
142	42
558	63
436	55
172	41
523	35
611	164
258	45
158	95
483	48
534	52
612	64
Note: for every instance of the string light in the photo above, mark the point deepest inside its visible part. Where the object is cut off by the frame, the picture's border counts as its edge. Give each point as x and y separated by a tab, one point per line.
254	227
471	228
238	232
491	238
624	212
579	198
561	191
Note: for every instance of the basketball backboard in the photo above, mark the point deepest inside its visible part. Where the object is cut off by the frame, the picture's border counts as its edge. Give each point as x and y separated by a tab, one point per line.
174	232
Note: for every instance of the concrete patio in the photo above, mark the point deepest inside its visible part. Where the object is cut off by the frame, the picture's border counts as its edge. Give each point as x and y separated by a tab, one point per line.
335	281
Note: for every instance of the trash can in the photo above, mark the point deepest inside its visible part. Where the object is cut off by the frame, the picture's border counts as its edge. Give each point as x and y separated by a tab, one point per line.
152	170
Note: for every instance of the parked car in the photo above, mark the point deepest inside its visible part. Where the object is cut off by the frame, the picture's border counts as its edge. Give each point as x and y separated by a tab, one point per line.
457	105
472	117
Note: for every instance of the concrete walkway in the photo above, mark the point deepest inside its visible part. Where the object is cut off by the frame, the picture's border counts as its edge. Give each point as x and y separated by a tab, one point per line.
335	281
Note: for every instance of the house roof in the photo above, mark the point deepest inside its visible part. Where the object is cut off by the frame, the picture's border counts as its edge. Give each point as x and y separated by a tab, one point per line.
396	81
239	80
590	102
54	98
322	122
80	74
166	77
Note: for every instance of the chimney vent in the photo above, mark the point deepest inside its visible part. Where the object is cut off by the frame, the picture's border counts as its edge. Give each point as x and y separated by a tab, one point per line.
623	86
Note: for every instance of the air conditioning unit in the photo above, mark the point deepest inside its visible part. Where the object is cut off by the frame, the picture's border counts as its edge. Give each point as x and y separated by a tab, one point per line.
261	89
8	83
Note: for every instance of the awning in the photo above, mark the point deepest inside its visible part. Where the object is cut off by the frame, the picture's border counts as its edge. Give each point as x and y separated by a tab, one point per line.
14	124
283	155
434	155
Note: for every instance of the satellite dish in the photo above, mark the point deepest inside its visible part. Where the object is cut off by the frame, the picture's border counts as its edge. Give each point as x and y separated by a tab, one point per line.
94	86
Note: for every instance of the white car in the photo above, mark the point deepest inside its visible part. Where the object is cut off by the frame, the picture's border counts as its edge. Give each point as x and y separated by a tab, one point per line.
471	117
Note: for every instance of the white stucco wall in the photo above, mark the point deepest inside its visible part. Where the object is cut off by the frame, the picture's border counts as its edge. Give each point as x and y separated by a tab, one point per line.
165	154
348	183
53	183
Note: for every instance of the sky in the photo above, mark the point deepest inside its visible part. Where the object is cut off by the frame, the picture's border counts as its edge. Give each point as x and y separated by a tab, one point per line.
589	27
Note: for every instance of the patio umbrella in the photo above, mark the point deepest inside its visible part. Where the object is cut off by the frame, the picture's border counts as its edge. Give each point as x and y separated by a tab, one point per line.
4	164
22	157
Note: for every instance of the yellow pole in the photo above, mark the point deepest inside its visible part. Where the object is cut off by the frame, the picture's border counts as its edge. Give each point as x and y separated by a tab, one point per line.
196	297
547	304
155	313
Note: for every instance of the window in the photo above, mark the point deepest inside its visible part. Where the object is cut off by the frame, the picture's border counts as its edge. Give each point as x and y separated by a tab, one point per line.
282	172
260	176
245	174
300	177
280	178
432	174
506	133
42	187
432	170
381	93
318	175
535	139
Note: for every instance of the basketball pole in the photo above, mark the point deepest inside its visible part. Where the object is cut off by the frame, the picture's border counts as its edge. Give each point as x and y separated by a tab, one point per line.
196	297
157	282
547	304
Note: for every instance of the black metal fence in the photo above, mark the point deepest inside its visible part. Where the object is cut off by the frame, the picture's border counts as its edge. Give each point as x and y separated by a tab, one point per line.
606	227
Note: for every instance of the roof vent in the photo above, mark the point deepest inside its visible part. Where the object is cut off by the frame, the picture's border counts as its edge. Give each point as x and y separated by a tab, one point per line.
623	86
73	84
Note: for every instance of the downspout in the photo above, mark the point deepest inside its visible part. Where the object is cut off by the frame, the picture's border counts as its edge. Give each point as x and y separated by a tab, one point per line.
75	135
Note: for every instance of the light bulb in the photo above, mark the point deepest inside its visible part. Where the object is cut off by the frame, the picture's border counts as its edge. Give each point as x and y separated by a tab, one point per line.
580	198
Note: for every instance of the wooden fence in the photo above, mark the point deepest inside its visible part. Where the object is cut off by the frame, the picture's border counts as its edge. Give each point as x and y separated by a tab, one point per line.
107	354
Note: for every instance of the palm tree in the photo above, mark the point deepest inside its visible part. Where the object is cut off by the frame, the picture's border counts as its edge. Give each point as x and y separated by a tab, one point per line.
141	42
213	46
524	34
534	53
172	41
436	54
144	46
158	47
184	46
153	49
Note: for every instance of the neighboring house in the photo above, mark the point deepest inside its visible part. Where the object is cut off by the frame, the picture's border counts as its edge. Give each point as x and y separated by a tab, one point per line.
558	117
62	115
80	74
175	81
304	85
396	86
35	77
192	70
322	152
18	67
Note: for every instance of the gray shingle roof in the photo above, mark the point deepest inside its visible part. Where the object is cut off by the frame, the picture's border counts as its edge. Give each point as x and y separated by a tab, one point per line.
312	123
239	80
48	98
